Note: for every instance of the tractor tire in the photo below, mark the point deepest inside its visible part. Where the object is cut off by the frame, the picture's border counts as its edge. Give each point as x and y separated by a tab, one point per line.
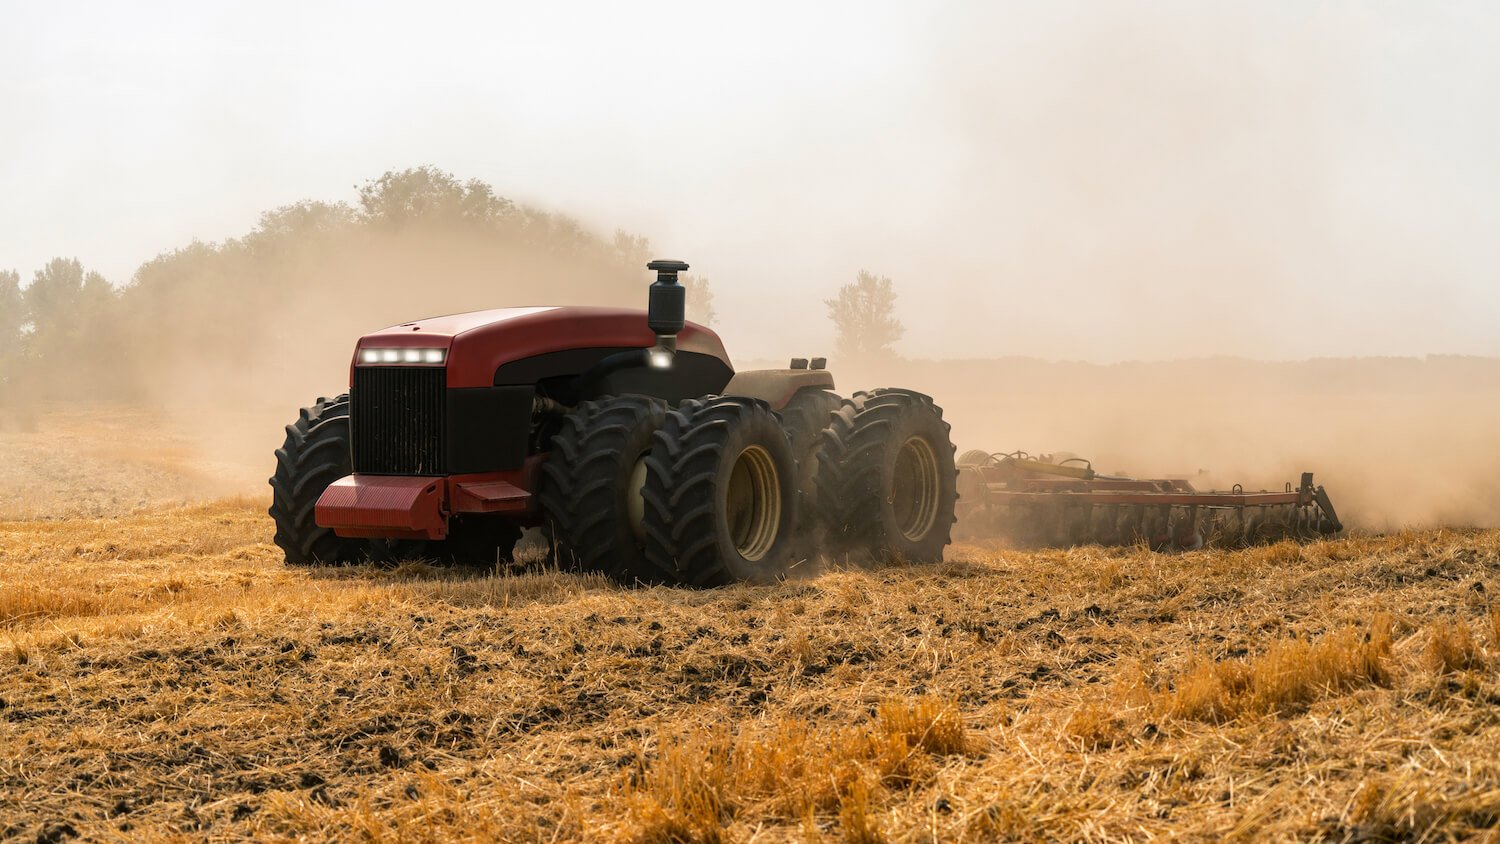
886	477
805	417
590	488
316	453
720	494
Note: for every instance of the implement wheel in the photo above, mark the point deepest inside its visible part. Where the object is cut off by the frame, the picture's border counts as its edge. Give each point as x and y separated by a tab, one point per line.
316	453
974	457
720	493
591	487
886	478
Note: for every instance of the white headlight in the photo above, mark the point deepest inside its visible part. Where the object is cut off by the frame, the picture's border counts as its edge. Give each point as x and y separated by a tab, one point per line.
661	359
403	355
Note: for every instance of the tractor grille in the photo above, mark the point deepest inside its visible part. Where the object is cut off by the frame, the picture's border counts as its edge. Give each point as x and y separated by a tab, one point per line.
397	415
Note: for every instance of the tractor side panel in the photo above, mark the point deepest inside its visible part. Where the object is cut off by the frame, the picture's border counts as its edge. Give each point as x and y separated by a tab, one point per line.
692	374
777	386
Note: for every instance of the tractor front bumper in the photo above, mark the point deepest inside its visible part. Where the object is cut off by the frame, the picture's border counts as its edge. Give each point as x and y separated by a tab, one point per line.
418	507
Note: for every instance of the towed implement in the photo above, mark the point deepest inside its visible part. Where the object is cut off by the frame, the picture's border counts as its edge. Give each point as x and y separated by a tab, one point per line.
1062	501
627	435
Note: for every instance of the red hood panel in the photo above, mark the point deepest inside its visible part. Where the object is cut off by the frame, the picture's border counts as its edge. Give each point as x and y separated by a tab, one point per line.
445	328
480	341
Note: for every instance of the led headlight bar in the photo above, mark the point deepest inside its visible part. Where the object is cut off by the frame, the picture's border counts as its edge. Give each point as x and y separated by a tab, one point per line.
428	357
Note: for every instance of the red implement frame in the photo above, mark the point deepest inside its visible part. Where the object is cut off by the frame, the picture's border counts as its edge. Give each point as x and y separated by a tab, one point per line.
1063	503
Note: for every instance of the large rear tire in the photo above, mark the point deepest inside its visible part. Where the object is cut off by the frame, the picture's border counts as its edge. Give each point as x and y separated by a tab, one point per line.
886	477
591	487
315	454
720	493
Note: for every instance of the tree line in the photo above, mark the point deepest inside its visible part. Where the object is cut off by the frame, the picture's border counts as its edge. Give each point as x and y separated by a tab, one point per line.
311	274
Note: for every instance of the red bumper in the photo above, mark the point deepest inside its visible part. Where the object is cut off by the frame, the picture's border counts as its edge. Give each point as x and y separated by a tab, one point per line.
391	507
403	507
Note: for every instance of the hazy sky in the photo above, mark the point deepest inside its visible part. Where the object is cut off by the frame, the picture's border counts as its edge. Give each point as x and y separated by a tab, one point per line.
1101	181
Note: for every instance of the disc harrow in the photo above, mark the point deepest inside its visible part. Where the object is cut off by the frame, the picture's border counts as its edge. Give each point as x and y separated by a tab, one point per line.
1058	502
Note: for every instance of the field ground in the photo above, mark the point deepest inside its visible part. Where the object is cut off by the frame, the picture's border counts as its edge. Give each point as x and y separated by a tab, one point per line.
104	460
162	675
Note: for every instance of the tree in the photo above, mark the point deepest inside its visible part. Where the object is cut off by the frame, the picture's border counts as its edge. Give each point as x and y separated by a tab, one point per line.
864	313
430	195
631	250
52	301
12	314
301	221
12	322
700	299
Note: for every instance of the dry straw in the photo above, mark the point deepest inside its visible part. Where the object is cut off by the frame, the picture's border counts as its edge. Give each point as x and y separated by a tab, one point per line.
164	676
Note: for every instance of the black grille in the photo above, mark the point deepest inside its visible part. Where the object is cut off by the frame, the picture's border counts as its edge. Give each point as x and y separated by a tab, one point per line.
396	413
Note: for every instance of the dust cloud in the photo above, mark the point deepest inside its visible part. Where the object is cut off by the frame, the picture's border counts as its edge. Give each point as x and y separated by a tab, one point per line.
1398	442
1198	194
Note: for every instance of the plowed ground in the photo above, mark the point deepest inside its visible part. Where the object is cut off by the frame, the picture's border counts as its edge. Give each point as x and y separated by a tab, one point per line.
164	676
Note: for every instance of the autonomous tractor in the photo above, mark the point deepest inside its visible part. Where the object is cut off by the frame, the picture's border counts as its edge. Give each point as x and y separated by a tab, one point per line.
626	436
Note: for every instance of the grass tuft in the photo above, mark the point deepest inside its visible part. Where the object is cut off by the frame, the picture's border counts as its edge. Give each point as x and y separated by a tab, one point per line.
1287	677
1451	648
791	772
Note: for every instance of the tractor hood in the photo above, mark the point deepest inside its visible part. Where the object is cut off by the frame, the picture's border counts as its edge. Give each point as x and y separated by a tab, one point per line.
475	345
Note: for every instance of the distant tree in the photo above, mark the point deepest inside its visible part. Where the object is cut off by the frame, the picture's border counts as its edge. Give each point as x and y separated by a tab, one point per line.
12	323
430	195
632	250
700	299
12	313
52	301
71	335
864	313
301	220
96	299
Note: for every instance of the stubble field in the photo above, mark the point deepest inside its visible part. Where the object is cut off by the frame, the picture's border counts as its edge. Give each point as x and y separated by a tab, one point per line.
164	676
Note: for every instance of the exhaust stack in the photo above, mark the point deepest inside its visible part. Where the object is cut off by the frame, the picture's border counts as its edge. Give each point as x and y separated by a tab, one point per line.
667	310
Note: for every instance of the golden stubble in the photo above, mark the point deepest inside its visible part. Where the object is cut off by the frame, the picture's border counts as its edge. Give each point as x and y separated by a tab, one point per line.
165	675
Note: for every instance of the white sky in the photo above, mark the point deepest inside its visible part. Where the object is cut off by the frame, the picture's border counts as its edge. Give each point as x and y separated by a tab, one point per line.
1101	181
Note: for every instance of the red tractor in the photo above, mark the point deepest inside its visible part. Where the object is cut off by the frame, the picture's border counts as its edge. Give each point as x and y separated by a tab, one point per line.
626	434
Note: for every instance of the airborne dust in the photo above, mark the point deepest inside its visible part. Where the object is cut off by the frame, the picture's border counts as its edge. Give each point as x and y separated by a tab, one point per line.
1204	198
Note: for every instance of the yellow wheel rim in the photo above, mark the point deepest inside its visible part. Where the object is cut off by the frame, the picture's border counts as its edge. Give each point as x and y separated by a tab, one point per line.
635	502
914	489
753	503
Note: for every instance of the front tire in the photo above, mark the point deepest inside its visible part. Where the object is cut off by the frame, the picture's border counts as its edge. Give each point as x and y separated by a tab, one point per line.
315	454
591	486
720	493
886	477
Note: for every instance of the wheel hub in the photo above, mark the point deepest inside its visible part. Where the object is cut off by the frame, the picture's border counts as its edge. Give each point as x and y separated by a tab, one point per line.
635	503
754	503
914	489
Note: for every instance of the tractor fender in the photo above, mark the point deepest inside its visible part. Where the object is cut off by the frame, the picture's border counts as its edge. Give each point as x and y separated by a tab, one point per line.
776	387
